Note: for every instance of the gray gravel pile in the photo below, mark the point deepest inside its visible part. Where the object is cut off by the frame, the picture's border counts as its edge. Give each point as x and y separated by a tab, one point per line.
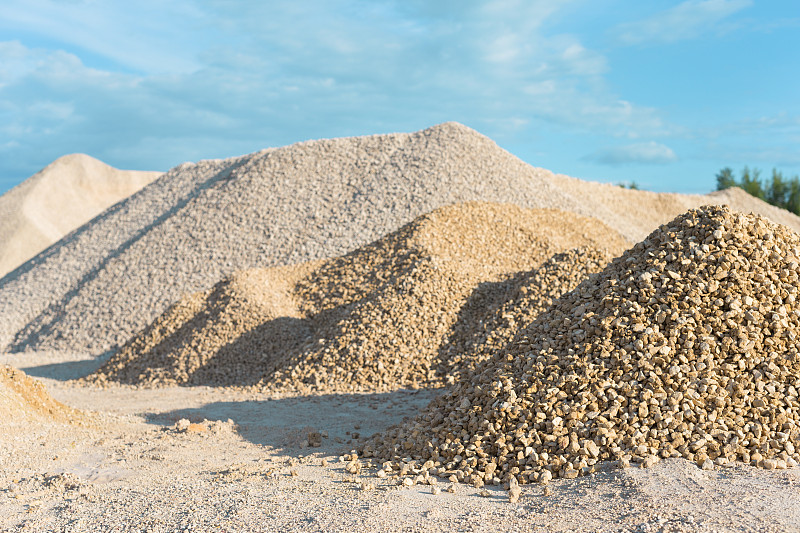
201	222
684	346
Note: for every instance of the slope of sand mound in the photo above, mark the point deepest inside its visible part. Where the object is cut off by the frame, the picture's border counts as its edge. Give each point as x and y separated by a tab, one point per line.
375	319
685	346
308	201
23	399
66	194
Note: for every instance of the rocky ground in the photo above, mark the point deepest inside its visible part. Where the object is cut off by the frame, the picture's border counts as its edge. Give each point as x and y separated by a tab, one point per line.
203	459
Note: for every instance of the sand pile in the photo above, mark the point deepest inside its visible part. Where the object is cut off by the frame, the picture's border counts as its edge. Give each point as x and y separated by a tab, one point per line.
313	200
685	346
373	320
23	400
66	194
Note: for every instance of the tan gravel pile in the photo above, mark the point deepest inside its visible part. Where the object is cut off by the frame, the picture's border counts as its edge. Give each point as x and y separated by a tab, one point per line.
495	312
685	346
373	320
66	194
24	400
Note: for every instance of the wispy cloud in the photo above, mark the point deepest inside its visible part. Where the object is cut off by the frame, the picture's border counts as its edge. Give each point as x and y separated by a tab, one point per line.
649	153
687	20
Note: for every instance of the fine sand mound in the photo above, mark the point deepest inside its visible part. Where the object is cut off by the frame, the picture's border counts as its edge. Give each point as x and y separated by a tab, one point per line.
24	400
685	346
373	320
63	196
313	200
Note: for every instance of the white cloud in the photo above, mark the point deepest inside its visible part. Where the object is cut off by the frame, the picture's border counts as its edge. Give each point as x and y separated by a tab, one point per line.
649	153
213	79
687	20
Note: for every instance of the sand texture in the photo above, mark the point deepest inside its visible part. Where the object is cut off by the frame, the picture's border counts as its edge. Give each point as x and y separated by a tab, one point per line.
63	196
374	320
318	199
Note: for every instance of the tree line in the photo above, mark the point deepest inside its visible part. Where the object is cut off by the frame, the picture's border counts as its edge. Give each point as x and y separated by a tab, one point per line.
778	189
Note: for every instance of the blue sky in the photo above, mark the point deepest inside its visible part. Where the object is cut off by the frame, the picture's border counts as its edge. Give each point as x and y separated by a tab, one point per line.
663	93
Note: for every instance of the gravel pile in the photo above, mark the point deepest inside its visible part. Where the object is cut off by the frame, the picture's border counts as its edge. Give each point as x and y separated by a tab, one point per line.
495	312
63	196
685	346
373	320
201	222
23	400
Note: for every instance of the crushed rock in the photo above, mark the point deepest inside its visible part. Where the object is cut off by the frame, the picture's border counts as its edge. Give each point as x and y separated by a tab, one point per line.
684	346
202	222
376	319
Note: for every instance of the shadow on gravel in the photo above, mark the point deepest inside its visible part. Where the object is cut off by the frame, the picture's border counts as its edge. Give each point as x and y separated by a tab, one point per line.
287	424
67	370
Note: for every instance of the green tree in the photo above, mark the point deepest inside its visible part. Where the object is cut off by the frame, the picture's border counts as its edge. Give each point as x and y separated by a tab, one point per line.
751	182
725	179
777	190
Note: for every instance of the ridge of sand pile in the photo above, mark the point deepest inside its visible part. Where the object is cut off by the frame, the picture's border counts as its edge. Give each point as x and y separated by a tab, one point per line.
685	346
201	222
23	399
372	320
64	195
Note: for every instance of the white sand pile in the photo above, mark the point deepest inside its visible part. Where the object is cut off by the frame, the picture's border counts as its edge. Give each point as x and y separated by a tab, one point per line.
63	196
24	400
685	346
373	320
308	201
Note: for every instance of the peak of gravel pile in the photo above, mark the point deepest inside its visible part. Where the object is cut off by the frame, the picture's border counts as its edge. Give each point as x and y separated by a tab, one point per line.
375	319
23	399
685	346
58	199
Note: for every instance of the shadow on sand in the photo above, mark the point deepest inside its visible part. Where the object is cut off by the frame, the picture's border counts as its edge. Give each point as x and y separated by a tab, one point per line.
285	423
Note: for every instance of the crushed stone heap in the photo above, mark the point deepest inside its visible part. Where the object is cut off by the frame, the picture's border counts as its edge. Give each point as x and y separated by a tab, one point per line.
23	400
372	320
495	312
684	346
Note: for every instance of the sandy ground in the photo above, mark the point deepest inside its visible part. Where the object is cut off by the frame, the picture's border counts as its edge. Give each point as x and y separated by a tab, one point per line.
246	466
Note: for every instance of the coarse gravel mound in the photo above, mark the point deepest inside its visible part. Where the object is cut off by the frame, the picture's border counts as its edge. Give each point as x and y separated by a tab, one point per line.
373	320
201	222
24	400
684	346
495	312
64	195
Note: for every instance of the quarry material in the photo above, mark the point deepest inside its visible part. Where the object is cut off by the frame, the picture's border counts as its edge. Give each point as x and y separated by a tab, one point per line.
63	196
684	346
24	401
201	222
376	319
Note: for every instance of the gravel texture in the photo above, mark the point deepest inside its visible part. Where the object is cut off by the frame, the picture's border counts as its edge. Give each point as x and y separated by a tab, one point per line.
201	222
373	320
684	346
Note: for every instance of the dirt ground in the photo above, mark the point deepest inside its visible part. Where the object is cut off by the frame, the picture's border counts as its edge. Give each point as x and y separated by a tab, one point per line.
203	459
